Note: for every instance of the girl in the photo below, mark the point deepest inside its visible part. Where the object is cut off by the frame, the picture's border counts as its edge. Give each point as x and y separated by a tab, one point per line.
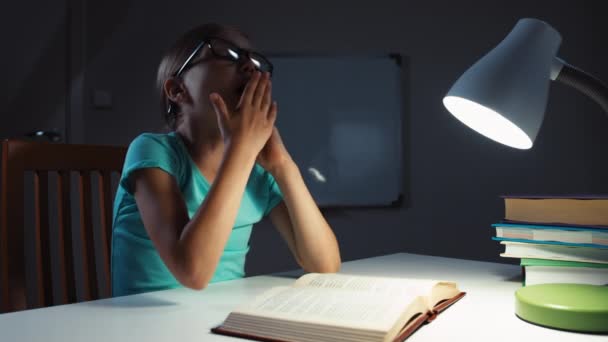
187	200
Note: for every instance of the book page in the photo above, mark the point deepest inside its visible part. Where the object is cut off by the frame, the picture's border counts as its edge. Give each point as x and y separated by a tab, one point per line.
374	311
387	286
433	289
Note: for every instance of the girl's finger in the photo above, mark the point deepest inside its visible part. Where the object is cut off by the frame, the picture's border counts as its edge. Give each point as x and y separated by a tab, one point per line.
258	96
267	99
272	113
221	110
250	88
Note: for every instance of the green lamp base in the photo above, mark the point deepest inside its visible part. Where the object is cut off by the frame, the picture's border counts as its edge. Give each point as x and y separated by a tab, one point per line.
574	307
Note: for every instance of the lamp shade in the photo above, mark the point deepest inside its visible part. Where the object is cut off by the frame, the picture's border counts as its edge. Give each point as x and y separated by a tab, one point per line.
503	96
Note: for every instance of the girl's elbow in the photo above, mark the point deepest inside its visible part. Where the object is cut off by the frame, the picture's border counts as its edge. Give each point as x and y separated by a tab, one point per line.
198	285
325	268
335	268
331	265
194	276
194	281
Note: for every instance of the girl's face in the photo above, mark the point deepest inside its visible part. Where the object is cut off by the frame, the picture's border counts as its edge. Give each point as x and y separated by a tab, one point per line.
210	73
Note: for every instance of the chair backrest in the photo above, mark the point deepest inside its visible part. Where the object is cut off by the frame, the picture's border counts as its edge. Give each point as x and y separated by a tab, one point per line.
42	159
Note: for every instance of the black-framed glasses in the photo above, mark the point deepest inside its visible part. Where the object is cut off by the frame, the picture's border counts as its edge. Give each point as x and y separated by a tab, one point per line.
224	49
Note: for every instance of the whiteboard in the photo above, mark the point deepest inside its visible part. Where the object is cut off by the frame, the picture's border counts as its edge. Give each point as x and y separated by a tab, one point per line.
340	119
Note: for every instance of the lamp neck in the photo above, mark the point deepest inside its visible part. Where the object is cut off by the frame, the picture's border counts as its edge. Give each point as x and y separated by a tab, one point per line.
580	80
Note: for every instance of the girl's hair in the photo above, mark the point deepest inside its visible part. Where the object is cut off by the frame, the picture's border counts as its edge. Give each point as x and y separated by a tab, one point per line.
176	56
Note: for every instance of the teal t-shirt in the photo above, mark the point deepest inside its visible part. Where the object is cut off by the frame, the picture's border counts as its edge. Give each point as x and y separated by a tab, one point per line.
136	264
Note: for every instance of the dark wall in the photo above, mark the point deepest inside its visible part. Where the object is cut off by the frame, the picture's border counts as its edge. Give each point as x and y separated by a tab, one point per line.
453	176
34	55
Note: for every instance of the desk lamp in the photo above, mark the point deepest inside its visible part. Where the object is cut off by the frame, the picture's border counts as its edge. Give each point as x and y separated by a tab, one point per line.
503	97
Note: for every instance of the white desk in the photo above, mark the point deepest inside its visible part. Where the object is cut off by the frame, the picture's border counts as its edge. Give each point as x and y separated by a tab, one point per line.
486	313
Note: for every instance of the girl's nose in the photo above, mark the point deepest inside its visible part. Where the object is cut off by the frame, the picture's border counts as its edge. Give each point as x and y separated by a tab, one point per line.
247	66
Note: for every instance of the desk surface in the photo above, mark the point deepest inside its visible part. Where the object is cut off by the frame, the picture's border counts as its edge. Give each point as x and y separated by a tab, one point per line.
486	313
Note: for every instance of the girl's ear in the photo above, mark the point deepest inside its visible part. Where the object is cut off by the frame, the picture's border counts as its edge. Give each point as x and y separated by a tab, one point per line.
175	90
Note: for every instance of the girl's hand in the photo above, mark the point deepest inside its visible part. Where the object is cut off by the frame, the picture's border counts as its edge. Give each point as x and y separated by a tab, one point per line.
274	155
250	125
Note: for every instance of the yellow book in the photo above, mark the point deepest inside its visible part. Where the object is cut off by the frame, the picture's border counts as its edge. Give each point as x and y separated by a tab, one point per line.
331	306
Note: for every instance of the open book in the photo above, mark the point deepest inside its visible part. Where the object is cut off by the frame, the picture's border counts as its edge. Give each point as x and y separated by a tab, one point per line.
331	306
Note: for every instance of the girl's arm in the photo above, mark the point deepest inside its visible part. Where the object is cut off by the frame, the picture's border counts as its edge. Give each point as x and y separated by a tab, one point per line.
191	248
302	225
298	218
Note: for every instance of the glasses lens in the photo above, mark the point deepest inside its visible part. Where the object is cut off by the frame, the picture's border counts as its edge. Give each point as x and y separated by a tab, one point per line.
261	62
225	49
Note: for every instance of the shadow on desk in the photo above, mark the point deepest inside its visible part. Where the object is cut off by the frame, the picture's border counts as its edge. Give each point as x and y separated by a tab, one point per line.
510	275
145	300
290	274
515	277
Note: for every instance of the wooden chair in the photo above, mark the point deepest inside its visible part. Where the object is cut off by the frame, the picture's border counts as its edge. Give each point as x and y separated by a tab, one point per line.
21	157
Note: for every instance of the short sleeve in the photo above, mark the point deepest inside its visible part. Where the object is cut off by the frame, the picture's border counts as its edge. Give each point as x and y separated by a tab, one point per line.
275	197
148	151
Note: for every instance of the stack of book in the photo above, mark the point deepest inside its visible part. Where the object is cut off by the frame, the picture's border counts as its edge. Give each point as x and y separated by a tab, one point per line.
559	239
